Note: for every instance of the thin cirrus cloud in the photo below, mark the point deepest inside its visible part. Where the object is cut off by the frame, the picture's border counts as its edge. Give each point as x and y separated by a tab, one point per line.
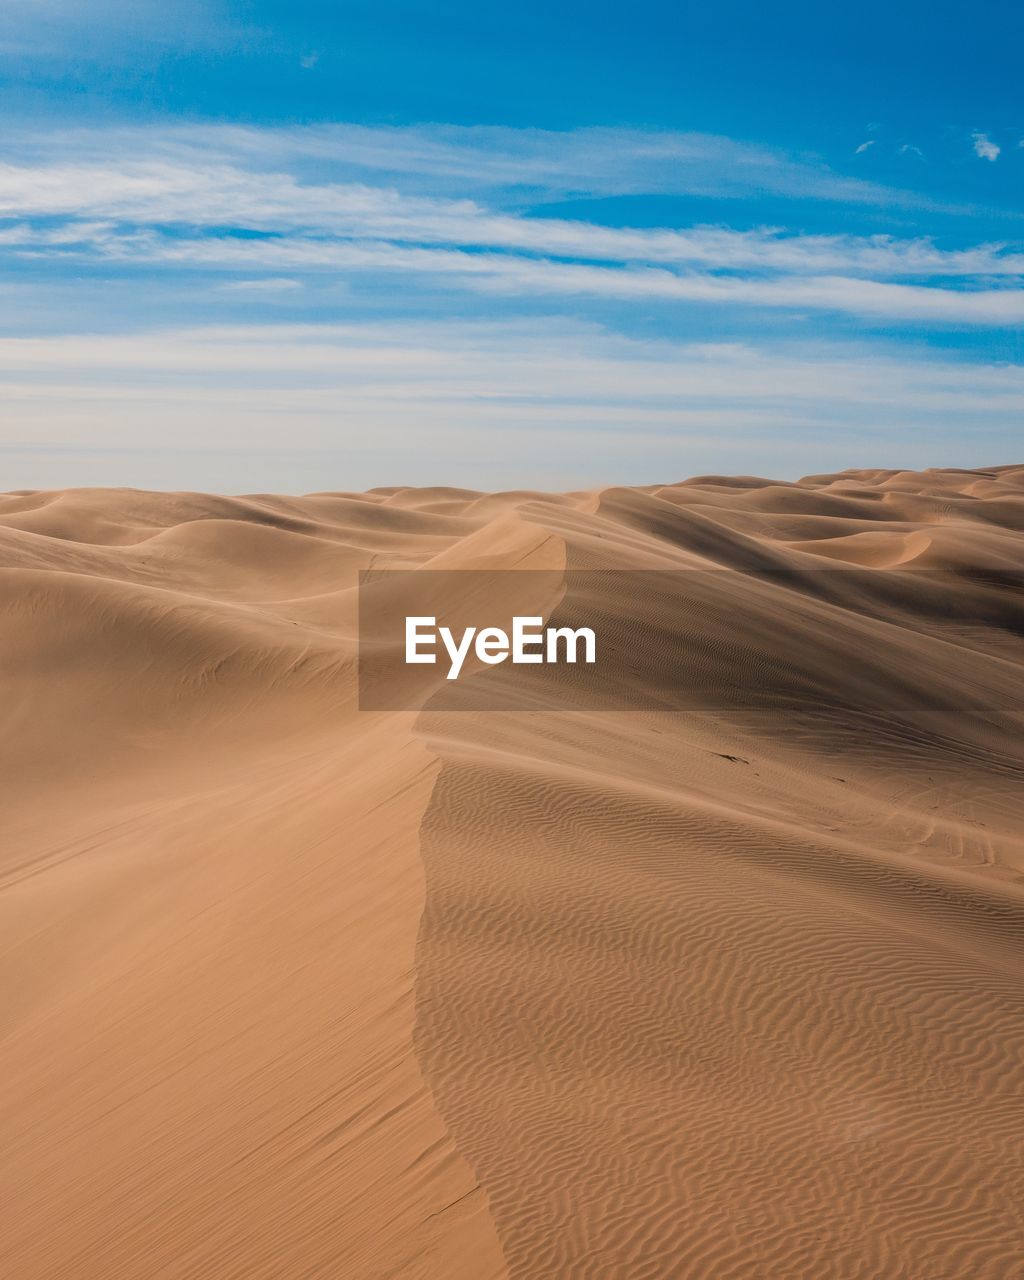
265	285
171	408
127	211
287	202
535	314
985	148
455	159
524	276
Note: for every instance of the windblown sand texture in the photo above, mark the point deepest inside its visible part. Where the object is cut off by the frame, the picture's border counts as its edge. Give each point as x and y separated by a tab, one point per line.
294	991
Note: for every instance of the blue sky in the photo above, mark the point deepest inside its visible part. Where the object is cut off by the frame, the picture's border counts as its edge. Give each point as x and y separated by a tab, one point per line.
299	246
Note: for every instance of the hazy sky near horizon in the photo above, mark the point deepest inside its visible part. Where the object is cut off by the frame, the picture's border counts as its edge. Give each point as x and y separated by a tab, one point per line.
257	246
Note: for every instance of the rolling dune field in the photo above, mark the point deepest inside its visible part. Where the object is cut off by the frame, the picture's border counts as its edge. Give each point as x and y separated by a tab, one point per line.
291	990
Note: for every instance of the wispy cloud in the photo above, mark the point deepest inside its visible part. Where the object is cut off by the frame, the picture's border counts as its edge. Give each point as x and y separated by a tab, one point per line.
518	275
159	406
453	159
266	222
104	206
216	204
864	146
267	284
985	148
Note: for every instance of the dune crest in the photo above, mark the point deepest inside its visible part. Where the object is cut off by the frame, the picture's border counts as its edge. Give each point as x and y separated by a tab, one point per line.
291	989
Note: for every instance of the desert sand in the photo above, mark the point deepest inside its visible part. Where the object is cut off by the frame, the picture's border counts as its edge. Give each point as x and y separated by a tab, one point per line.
294	990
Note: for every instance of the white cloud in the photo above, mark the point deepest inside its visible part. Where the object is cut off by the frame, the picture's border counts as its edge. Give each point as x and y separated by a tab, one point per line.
172	209
522	276
263	407
864	146
985	148
304	180
447	159
257	214
96	198
167	206
267	284
800	278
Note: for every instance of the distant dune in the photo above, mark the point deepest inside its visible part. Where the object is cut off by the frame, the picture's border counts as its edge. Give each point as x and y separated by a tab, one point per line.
293	991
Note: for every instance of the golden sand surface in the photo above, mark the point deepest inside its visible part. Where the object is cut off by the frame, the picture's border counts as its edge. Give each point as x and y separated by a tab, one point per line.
290	990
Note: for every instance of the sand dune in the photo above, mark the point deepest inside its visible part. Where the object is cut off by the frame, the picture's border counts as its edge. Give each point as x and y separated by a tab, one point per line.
294	990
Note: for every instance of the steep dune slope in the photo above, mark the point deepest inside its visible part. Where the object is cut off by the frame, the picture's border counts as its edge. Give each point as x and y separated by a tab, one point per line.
740	994
211	891
291	989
